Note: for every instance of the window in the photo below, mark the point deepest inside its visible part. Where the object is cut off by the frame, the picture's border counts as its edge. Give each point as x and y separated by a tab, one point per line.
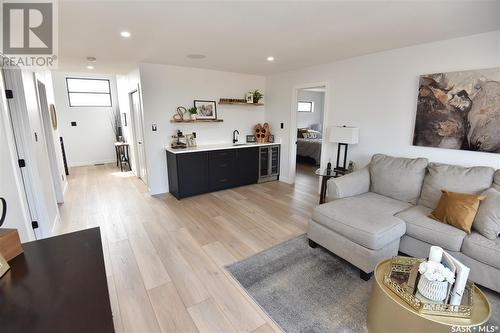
305	107
88	92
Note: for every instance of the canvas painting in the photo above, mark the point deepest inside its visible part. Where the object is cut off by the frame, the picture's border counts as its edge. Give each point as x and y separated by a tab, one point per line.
459	110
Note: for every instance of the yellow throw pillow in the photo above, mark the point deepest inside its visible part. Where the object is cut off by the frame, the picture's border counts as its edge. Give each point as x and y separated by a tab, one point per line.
457	209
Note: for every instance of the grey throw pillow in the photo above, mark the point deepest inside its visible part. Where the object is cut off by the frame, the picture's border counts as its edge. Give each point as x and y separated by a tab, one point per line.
487	220
397	177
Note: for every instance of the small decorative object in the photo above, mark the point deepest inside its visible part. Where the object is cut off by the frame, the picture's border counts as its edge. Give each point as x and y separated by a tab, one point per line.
257	96
3	202
459	110
434	280
262	133
115	118
206	109
4	266
10	244
351	167
233	100
191	139
251	138
179	116
402	278
178	141
249	97
53	116
193	112
271	138
461	274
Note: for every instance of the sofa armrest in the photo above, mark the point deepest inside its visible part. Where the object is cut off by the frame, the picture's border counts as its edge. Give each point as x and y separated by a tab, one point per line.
349	185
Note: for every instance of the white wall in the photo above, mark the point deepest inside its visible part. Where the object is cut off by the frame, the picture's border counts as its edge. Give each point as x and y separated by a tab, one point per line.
378	93
91	141
164	88
306	119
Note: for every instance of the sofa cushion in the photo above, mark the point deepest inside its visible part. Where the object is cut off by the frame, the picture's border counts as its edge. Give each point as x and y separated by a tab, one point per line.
396	177
496	180
482	249
453	178
420	226
487	221
366	219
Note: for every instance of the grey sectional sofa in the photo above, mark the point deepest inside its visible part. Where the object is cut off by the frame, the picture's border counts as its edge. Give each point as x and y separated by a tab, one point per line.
377	211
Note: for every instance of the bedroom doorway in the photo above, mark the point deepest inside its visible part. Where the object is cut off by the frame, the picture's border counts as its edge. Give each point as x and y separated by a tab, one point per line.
309	119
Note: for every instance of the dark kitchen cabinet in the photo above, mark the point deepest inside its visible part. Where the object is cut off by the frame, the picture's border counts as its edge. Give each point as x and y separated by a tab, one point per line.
201	172
247	161
187	173
222	169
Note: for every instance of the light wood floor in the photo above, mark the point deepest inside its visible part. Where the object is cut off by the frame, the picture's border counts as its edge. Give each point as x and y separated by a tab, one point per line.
165	258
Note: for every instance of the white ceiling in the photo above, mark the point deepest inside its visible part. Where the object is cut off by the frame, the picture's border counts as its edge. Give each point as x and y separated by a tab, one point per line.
238	35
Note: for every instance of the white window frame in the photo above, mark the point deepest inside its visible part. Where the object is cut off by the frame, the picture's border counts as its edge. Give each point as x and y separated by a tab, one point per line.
89	92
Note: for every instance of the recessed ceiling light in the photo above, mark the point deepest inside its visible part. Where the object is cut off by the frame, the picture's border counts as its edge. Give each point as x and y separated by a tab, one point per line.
270	58
125	34
91	59
90	67
196	56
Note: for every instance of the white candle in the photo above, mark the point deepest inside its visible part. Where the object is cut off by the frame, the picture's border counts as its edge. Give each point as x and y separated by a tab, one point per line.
435	254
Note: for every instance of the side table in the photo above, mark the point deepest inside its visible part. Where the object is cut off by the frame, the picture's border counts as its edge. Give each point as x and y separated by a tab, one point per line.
121	149
325	174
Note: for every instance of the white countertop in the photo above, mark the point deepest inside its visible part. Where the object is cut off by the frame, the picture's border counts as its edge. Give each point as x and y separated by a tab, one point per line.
217	147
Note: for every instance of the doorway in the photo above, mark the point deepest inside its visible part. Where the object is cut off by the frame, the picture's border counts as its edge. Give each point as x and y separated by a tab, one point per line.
138	135
308	133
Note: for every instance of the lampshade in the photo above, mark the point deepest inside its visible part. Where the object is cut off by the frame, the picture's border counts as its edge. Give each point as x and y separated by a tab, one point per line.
344	134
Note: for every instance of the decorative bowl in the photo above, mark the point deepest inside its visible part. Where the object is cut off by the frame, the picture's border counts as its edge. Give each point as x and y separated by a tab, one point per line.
433	290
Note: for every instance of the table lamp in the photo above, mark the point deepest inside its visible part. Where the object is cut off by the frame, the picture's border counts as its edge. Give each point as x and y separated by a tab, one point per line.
344	136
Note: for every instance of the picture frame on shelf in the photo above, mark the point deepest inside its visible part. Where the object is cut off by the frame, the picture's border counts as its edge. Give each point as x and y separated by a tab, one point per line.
249	97
206	109
251	139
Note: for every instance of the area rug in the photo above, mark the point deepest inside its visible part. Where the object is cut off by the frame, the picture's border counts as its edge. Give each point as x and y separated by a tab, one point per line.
311	290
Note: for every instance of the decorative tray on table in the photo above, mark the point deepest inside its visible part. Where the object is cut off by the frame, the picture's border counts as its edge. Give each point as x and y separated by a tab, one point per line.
402	278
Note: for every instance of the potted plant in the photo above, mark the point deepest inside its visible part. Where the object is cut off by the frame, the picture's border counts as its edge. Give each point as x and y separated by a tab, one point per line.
193	112
257	96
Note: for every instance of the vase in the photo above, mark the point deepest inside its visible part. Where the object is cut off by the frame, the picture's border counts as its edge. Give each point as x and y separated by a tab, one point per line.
193	116
433	290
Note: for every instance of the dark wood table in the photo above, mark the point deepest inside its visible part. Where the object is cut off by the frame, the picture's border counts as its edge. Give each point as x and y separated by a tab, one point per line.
57	285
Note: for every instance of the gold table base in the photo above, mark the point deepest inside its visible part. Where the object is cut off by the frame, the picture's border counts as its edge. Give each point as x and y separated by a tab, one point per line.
388	313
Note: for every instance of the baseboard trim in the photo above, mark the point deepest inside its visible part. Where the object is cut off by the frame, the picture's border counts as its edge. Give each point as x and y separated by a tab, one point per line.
87	163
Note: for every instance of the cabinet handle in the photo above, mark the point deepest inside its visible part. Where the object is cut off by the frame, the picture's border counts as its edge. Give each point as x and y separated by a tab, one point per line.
223	180
223	165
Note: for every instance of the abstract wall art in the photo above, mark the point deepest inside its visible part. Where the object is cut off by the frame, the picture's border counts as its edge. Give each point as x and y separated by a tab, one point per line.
459	110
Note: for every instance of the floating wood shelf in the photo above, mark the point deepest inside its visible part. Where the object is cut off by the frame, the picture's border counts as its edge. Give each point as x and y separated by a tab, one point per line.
197	121
241	103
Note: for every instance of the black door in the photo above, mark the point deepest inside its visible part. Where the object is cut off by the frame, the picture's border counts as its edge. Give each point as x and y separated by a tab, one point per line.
247	160
193	173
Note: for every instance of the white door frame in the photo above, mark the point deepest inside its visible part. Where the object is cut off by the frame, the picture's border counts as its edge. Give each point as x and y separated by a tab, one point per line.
45	117
140	124
293	125
22	135
11	142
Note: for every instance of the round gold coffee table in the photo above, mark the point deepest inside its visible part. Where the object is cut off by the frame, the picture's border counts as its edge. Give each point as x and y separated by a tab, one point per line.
387	312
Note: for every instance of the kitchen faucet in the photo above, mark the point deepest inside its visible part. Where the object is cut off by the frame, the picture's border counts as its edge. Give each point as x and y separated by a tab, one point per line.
235	139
